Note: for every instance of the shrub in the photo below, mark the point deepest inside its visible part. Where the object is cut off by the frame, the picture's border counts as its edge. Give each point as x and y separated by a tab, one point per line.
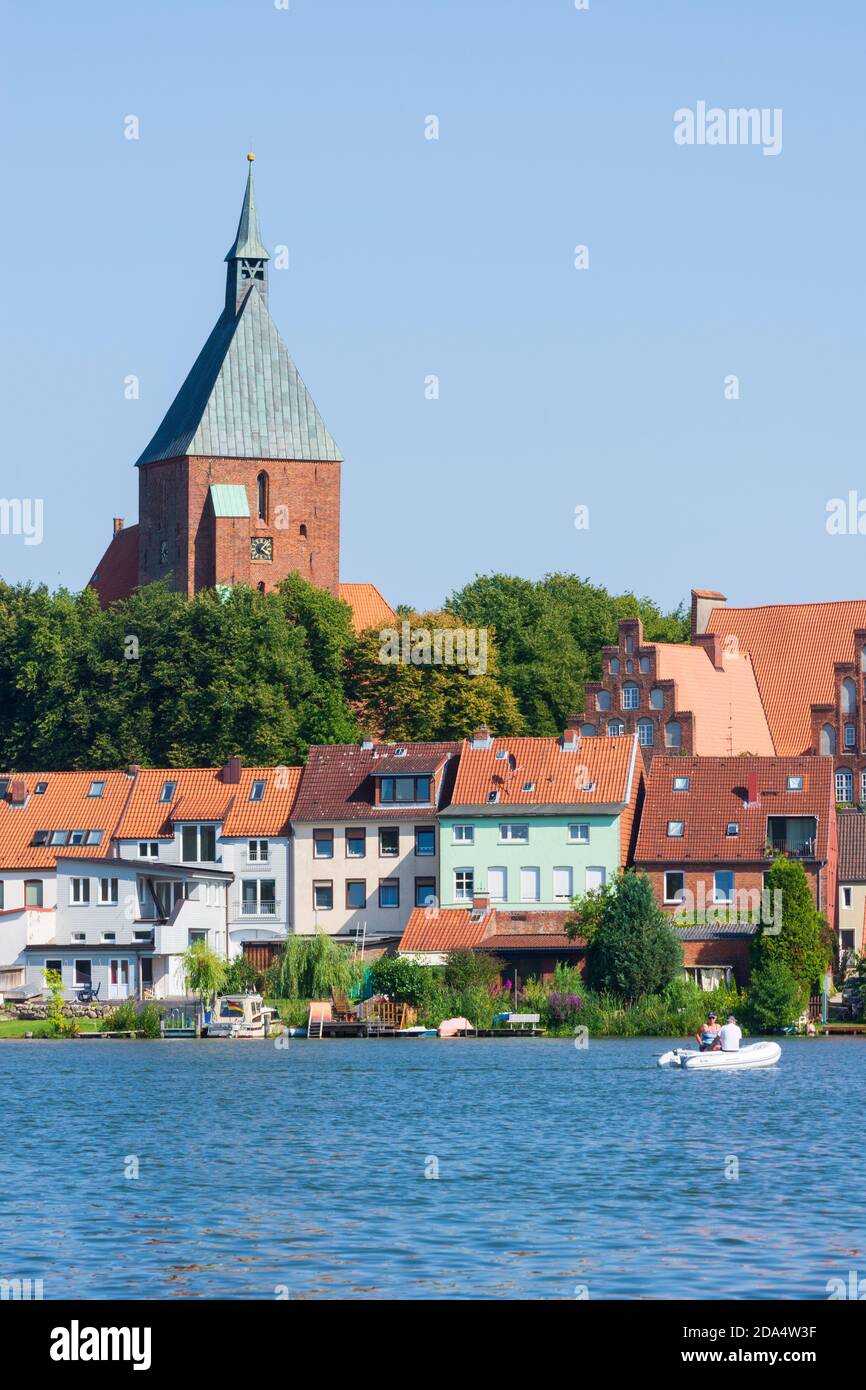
123	1019
633	950
471	970
564	1008
776	997
242	977
402	979
312	967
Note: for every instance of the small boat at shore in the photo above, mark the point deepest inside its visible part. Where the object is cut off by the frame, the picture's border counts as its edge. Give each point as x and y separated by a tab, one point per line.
759	1054
240	1016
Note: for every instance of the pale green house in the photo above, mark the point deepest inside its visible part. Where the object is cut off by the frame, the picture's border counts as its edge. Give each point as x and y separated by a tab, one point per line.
534	821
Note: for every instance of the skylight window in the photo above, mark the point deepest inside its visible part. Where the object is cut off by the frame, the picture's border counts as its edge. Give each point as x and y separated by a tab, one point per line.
4	785
94	837
492	796
59	837
96	789
168	791
675	829
501	754
529	786
795	784
78	837
399	752
257	791
40	788
681	784
40	837
733	828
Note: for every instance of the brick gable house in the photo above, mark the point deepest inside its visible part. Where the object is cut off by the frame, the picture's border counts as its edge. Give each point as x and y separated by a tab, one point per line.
240	484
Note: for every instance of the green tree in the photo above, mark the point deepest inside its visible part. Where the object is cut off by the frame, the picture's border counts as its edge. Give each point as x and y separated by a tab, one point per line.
204	971
402	979
549	636
632	951
802	941
775	998
426	700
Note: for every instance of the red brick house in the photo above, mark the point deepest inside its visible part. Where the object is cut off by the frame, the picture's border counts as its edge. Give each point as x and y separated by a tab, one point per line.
711	827
530	944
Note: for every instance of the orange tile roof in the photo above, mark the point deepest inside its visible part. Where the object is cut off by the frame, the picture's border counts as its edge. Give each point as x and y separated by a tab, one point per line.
200	794
64	805
458	929
338	781
729	716
556	777
369	608
793	647
716	796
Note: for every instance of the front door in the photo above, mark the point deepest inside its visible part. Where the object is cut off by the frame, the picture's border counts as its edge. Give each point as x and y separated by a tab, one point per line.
118	980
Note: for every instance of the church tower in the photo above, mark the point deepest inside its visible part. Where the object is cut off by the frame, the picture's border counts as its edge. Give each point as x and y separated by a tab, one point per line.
241	481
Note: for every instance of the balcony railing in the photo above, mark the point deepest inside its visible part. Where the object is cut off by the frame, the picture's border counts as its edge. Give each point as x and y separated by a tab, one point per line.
797	849
265	907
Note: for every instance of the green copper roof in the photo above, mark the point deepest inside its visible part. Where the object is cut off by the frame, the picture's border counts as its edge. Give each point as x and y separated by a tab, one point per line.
248	243
244	398
229	499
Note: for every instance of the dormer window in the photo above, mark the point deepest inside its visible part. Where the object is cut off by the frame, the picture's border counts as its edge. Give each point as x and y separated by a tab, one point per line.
167	792
257	791
408	790
96	789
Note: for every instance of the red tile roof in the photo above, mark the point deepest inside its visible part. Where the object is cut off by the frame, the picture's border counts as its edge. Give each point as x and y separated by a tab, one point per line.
459	929
116	575
64	805
717	795
852	846
369	608
201	795
338	781
556	777
793	647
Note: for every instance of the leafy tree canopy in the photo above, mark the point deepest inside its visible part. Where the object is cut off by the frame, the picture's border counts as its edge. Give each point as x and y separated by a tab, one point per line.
631	949
803	943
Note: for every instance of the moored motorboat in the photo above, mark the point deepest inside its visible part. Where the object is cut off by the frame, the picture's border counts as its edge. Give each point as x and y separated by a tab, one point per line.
759	1054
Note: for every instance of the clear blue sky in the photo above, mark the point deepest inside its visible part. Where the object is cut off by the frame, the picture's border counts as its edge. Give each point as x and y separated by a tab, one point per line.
455	257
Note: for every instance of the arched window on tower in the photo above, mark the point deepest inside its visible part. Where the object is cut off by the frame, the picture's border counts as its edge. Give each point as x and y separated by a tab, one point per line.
849	696
262	485
828	740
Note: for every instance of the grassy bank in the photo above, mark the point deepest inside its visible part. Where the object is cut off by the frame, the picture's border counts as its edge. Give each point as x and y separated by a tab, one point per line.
19	1027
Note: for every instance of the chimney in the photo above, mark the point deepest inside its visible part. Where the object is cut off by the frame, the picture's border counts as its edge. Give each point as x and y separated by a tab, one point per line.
481	737
367	742
231	773
133	770
712	645
118	524
17	792
752	789
570	741
480	902
703	603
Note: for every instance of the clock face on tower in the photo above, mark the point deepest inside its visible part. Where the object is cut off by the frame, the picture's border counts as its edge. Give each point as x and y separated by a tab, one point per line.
261	548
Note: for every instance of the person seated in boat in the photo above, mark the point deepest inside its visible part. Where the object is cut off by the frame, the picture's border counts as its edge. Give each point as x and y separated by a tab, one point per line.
708	1035
730	1035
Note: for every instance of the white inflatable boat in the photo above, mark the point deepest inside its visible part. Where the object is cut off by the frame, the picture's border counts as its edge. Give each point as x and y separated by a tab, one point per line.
759	1054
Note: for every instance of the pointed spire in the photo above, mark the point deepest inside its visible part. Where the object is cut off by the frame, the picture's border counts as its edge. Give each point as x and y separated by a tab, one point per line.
248	243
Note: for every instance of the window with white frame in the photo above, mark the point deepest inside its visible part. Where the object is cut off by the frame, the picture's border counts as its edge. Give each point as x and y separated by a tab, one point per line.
108	890
511	833
530	884
578	833
563	890
675	885
676	829
863	786
79	891
723	886
464	885
258	851
167	792
198	844
844	785
630	697
850	736
148	849
497	884
96	788
615	728
795	784
463	834
645	733
847	897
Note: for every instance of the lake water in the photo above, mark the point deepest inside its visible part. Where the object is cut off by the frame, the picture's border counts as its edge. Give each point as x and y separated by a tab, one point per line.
303	1170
